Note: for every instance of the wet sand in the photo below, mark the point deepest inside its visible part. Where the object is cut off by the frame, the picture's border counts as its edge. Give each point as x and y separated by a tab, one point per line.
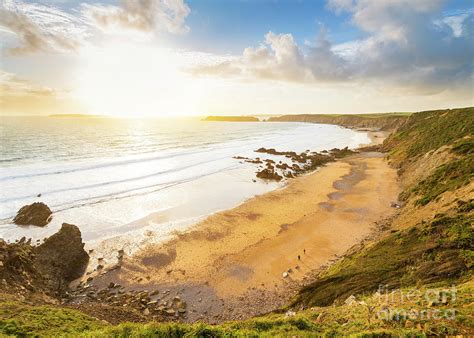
231	265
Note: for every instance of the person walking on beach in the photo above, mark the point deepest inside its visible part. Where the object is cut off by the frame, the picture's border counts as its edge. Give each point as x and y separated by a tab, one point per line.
299	258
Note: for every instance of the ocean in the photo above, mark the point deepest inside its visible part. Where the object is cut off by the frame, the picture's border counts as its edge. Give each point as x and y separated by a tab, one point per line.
139	180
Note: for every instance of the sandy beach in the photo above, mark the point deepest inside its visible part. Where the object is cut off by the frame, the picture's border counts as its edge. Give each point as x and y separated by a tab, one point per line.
250	259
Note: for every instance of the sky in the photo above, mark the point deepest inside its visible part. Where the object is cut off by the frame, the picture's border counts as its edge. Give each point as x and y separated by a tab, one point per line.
141	58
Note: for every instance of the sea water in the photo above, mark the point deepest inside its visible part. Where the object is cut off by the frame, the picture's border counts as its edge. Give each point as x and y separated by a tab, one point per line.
129	180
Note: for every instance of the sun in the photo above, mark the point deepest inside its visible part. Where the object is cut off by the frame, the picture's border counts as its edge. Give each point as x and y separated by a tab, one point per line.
135	80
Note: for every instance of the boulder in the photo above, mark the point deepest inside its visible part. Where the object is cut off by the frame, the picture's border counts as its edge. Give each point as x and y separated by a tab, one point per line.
269	174
351	300
38	214
62	257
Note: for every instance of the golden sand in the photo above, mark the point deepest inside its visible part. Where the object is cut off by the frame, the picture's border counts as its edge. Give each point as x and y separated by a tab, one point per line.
315	217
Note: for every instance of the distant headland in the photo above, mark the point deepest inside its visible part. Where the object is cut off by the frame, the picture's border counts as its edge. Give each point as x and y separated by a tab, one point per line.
231	118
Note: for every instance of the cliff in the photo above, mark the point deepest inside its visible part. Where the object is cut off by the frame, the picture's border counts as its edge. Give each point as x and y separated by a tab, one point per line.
387	121
431	236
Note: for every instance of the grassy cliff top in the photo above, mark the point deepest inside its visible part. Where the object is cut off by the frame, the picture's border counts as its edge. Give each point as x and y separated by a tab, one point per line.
383	121
429	130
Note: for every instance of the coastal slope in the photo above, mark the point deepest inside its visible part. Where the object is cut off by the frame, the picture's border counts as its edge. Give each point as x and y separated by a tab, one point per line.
432	234
386	121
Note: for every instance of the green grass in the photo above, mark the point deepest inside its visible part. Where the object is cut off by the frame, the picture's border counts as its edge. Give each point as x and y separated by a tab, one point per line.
427	131
448	177
464	147
362	318
22	320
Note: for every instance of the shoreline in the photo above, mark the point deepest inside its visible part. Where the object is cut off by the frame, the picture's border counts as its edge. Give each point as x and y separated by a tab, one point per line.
187	197
243	262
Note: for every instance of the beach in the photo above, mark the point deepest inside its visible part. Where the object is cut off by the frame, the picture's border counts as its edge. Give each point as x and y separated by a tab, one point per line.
131	182
251	259
228	244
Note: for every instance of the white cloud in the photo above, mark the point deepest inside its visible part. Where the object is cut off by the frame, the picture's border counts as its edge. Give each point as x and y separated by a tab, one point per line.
280	58
41	28
11	85
144	15
407	48
455	22
47	28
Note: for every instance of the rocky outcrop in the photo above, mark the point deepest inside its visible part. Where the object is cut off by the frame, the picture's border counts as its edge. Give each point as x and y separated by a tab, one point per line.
38	214
301	163
16	267
47	268
62	256
269	174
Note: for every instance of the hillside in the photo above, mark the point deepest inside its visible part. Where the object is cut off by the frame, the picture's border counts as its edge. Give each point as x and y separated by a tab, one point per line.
388	121
432	235
419	267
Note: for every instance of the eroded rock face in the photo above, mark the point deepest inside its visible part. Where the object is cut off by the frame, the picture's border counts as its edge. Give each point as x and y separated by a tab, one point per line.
38	214
47	268
62	258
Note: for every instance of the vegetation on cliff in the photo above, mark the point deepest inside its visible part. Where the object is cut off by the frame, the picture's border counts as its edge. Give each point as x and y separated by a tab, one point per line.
427	131
387	121
426	253
436	249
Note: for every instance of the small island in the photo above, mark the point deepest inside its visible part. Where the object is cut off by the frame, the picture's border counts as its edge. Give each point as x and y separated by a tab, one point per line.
231	119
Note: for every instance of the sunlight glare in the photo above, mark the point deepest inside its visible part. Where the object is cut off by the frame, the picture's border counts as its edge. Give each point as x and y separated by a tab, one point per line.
134	80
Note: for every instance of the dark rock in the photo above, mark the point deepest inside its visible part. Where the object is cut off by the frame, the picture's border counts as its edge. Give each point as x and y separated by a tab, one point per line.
62	256
269	174
46	268
38	214
338	153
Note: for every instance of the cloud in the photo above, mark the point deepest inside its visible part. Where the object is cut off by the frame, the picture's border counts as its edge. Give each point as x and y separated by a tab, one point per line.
339	6
407	47
49	29
141	15
41	28
23	97
280	58
11	85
